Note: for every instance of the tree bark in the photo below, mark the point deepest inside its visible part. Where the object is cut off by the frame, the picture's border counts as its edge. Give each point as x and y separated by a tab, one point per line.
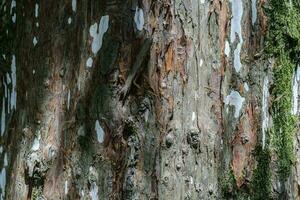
139	99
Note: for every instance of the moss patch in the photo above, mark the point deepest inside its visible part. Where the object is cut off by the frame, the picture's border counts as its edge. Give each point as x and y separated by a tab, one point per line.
37	193
229	189
284	121
261	183
283	43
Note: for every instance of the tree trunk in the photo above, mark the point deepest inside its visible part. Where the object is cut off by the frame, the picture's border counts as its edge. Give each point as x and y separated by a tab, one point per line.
149	99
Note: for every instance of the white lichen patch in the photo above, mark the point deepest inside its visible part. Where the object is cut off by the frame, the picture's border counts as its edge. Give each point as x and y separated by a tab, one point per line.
89	62
13	100
94	191
74	5
237	14
8	102
236	28
81	194
36	10
5	160
3	177
3	183
68	100
12	6
81	131
201	62
246	87
36	143
254	11
5	89
99	131
14	18
66	187
202	1
265	108
3	116
146	115
31	160
295	90
237	58
193	116
227	49
34	41
8	80
235	99
97	33
69	20
139	18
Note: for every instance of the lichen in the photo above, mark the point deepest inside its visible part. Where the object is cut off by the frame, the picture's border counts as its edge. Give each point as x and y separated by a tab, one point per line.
36	12
74	5
97	32
282	44
100	132
236	100
139	18
295	91
236	28
254	11
34	41
265	109
89	62
3	117
94	191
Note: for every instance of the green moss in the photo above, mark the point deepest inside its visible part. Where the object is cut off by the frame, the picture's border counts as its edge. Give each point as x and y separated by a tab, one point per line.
229	189
284	121
227	183
283	44
37	193
261	183
260	186
284	29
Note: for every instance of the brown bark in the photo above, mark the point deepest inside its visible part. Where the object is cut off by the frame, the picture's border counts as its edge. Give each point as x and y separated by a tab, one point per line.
140	122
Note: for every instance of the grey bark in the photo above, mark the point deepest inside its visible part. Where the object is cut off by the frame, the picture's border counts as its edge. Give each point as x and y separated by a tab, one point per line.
140	123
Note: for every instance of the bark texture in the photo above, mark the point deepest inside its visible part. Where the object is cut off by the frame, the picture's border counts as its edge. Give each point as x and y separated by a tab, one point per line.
149	99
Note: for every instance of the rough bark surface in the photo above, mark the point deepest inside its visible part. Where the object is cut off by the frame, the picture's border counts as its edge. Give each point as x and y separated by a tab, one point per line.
136	99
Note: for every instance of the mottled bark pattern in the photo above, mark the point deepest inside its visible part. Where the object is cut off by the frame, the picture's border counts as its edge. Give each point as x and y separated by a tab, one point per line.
164	104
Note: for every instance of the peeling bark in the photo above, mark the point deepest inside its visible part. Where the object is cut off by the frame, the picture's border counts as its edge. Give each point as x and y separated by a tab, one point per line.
137	99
